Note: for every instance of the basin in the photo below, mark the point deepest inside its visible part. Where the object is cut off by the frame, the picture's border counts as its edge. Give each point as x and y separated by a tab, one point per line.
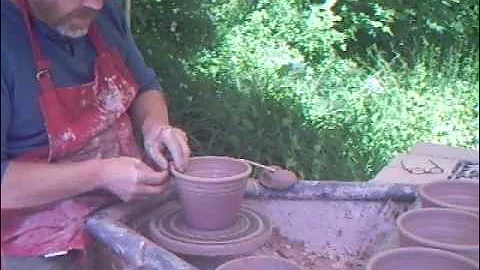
328	225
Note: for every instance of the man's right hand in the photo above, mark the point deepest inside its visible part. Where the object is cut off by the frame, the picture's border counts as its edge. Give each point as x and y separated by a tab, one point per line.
131	179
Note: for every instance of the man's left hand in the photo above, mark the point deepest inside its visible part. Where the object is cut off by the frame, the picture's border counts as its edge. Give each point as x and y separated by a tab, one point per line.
164	144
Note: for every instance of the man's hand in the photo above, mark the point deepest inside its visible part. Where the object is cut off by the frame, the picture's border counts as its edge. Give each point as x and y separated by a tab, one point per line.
131	179
164	144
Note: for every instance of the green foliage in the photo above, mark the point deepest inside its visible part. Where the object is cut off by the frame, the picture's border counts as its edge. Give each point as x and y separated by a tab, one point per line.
272	36
399	25
323	88
435	101
176	27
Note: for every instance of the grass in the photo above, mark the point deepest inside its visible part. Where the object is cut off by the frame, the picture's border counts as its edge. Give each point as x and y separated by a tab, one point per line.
346	129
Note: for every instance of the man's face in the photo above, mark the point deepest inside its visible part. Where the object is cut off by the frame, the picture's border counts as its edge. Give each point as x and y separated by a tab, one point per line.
70	17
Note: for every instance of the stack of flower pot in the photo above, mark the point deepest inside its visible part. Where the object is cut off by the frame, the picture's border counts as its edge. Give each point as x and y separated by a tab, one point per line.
442	235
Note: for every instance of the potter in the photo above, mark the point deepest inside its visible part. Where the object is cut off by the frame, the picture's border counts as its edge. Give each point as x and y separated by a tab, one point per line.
75	92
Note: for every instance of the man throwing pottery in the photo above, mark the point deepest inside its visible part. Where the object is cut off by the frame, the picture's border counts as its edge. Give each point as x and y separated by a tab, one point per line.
74	87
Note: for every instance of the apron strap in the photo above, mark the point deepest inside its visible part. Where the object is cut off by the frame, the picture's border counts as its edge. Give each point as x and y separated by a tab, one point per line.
42	65
96	39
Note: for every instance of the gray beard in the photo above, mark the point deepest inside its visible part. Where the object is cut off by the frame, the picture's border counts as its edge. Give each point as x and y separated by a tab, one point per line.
65	30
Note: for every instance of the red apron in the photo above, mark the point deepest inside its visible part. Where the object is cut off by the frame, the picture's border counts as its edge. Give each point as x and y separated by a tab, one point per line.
75	118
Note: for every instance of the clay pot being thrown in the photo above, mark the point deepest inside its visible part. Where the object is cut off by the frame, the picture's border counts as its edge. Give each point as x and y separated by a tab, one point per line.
456	194
259	263
448	229
419	258
211	190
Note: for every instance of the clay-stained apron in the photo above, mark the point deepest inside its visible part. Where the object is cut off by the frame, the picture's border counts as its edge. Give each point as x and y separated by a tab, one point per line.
83	122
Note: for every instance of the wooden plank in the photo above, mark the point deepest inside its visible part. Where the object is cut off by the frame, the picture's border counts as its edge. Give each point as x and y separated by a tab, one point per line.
444	151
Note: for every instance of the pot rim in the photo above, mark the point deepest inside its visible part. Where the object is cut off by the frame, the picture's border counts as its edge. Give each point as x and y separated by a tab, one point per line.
424	193
443	253
243	175
433	243
229	263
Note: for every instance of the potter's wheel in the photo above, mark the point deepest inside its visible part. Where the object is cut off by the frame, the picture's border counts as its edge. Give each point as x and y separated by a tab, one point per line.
166	226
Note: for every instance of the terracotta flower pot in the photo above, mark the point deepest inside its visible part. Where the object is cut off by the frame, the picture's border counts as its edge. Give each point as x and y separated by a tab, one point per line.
419	258
447	229
259	263
457	194
211	191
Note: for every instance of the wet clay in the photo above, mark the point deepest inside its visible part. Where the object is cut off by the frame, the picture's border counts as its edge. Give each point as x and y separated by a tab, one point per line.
259	263
420	259
279	179
457	194
280	246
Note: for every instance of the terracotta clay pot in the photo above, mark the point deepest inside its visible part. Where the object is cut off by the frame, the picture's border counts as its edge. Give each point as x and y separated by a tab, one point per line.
457	194
447	229
211	190
259	263
419	258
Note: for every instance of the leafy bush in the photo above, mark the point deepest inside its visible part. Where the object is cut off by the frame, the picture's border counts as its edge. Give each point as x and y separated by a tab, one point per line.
400	26
264	79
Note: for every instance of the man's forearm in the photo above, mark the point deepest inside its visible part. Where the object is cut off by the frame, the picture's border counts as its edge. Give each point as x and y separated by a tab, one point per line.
150	107
27	184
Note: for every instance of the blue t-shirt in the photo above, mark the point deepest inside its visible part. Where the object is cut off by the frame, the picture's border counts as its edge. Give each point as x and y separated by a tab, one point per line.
22	128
